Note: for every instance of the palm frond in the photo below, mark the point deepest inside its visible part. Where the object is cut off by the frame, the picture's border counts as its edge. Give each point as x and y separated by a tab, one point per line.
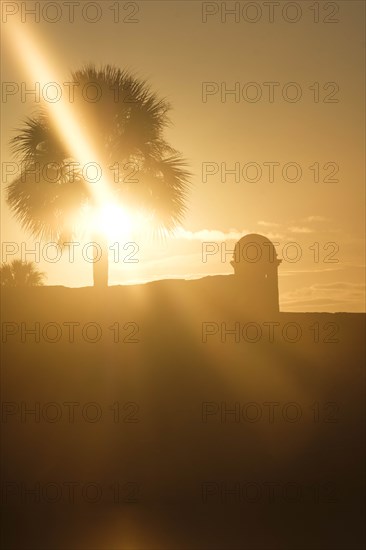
21	274
125	125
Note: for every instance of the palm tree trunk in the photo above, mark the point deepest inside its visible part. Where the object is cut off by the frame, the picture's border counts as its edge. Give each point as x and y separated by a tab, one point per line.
100	264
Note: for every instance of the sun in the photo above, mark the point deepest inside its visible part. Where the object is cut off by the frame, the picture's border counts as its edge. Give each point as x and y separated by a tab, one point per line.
113	221
110	220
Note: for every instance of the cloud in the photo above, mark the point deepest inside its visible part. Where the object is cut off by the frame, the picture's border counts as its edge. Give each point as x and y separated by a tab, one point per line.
295	272
316	219
337	296
296	229
216	235
210	234
340	285
268	224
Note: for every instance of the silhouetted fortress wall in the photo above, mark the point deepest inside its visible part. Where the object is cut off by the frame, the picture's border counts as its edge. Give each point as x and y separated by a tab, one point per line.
255	281
226	390
187	356
212	308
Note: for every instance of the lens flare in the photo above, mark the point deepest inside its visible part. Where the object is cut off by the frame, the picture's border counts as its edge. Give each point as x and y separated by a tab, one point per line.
62	113
113	221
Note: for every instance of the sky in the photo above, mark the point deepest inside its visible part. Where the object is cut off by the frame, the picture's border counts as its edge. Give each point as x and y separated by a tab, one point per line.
289	165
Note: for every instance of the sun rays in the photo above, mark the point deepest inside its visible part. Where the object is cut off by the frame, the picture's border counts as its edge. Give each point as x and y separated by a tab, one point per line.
61	112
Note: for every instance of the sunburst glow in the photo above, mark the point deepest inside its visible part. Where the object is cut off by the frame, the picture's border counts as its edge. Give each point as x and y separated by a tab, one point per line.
113	221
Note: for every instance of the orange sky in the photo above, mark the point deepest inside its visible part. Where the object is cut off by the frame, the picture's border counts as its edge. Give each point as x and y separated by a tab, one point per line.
171	46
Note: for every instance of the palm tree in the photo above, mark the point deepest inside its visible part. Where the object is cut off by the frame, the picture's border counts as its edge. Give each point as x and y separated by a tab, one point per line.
126	127
21	274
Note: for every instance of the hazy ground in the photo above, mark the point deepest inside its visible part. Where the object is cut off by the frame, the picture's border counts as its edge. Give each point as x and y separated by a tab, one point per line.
216	444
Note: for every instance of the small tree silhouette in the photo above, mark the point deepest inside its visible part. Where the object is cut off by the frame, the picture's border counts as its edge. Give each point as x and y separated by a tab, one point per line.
21	274
125	126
